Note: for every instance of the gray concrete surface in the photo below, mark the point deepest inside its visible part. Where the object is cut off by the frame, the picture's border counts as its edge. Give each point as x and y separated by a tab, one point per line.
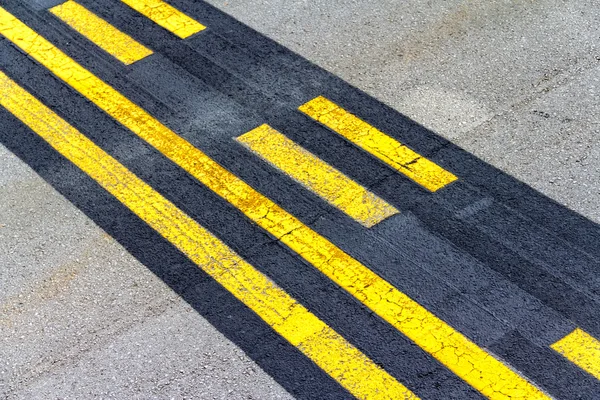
484	74
81	318
514	82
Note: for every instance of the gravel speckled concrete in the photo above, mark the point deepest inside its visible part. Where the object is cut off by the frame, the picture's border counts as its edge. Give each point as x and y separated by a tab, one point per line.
81	318
455	65
513	82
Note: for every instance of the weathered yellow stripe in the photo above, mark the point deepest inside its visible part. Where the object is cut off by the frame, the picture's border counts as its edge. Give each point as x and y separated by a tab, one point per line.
166	16
330	351
382	146
318	176
582	350
477	367
101	33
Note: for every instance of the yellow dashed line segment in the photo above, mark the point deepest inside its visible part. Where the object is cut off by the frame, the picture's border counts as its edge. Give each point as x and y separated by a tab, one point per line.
404	160
582	350
471	363
167	16
121	46
330	351
318	176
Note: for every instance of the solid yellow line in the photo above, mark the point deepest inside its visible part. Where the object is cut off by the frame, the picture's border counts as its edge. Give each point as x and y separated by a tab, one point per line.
166	16
318	176
346	364
101	33
582	350
473	364
387	149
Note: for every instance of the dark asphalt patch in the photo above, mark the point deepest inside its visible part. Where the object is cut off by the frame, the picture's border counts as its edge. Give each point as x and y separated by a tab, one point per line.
245	96
377	339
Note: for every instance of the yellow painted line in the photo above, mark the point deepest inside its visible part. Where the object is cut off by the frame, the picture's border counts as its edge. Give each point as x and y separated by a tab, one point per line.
421	170
318	176
330	351
582	350
477	367
121	46
167	16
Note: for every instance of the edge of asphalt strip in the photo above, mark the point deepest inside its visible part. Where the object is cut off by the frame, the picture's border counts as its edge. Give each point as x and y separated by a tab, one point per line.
460	208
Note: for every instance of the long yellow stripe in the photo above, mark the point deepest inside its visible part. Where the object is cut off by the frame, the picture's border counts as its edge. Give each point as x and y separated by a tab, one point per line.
477	367
582	350
104	35
346	364
318	176
166	16
382	146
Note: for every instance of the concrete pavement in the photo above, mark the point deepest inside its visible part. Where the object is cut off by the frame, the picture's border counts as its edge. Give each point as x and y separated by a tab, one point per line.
512	82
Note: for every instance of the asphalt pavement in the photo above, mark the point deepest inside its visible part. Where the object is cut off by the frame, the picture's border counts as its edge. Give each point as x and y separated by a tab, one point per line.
488	236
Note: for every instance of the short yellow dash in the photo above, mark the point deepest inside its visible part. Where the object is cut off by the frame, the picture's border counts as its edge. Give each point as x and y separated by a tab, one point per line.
421	170
166	16
121	46
346	364
470	362
582	350
318	176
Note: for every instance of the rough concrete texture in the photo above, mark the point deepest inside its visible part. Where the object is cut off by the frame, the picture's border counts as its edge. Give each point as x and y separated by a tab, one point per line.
473	71
514	82
81	318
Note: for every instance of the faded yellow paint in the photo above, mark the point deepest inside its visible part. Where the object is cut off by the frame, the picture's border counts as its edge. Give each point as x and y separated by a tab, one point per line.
473	364
121	46
404	160
582	350
330	351
167	16
318	176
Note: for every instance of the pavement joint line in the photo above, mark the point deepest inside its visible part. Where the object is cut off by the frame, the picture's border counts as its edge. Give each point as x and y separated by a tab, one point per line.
317	176
478	182
404	160
313	337
118	44
581	349
166	16
480	369
572	270
563	78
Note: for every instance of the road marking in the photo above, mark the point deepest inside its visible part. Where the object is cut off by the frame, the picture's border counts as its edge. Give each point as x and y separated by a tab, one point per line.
387	149
317	176
471	363
582	350
101	33
330	351
167	16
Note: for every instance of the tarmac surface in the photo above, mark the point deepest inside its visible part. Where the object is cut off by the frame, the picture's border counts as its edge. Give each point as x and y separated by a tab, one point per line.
99	300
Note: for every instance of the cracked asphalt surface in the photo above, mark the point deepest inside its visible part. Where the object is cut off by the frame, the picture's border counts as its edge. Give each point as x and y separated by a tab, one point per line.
97	302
